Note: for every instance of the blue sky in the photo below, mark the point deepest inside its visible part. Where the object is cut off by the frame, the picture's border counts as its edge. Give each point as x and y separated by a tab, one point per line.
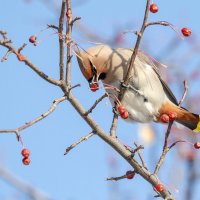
24	96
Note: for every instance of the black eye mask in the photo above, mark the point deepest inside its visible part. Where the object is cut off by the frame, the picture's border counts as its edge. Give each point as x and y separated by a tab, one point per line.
94	74
94	77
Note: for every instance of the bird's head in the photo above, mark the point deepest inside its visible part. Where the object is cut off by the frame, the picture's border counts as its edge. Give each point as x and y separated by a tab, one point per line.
92	65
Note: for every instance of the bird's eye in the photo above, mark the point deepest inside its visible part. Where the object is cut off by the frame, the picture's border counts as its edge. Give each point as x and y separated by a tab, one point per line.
102	76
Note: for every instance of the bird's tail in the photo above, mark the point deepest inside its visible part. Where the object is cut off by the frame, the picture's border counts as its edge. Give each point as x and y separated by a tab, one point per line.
184	117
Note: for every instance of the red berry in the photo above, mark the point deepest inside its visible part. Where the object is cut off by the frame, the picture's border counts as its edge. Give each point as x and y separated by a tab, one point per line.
20	57
153	8
124	115
130	174
33	39
159	187
186	32
25	153
121	109
26	161
197	145
164	118
94	87
172	116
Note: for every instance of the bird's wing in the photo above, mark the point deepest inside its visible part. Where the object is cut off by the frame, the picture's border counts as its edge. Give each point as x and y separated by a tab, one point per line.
155	65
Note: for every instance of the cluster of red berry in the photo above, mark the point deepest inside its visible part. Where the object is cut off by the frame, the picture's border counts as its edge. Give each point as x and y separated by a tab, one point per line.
171	116
122	111
26	154
185	31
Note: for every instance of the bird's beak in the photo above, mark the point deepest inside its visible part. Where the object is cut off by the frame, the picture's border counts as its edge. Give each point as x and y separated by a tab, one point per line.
93	81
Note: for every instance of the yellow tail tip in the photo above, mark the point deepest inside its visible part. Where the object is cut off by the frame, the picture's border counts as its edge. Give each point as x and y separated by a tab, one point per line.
197	129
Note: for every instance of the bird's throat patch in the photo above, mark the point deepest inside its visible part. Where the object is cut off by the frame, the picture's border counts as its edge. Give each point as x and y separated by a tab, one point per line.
197	129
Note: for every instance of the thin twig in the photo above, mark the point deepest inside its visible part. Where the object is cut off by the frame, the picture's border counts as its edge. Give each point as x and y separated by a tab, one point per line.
78	142
116	178
6	56
61	41
69	44
75	86
22	47
114	125
10	48
175	143
30	123
52	26
140	155
133	151
96	103
75	19
185	92
3	33
165	149
136	48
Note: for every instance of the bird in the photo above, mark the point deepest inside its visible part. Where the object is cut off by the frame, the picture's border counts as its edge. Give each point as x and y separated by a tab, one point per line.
147	97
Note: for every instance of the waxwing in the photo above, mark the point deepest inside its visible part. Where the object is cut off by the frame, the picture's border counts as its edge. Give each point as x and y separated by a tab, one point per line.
147	97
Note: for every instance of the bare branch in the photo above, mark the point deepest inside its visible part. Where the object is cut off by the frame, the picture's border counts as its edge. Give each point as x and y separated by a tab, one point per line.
151	178
3	33
30	123
69	44
133	151
75	86
165	149
96	103
75	19
22	47
175	143
61	41
140	155
6	56
29	64
185	92
116	178
114	125
52	26
136	48
78	142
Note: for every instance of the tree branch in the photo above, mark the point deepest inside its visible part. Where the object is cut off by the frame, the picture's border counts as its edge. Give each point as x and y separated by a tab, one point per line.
96	103
115	144
29	64
78	142
68	41
30	123
61	41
